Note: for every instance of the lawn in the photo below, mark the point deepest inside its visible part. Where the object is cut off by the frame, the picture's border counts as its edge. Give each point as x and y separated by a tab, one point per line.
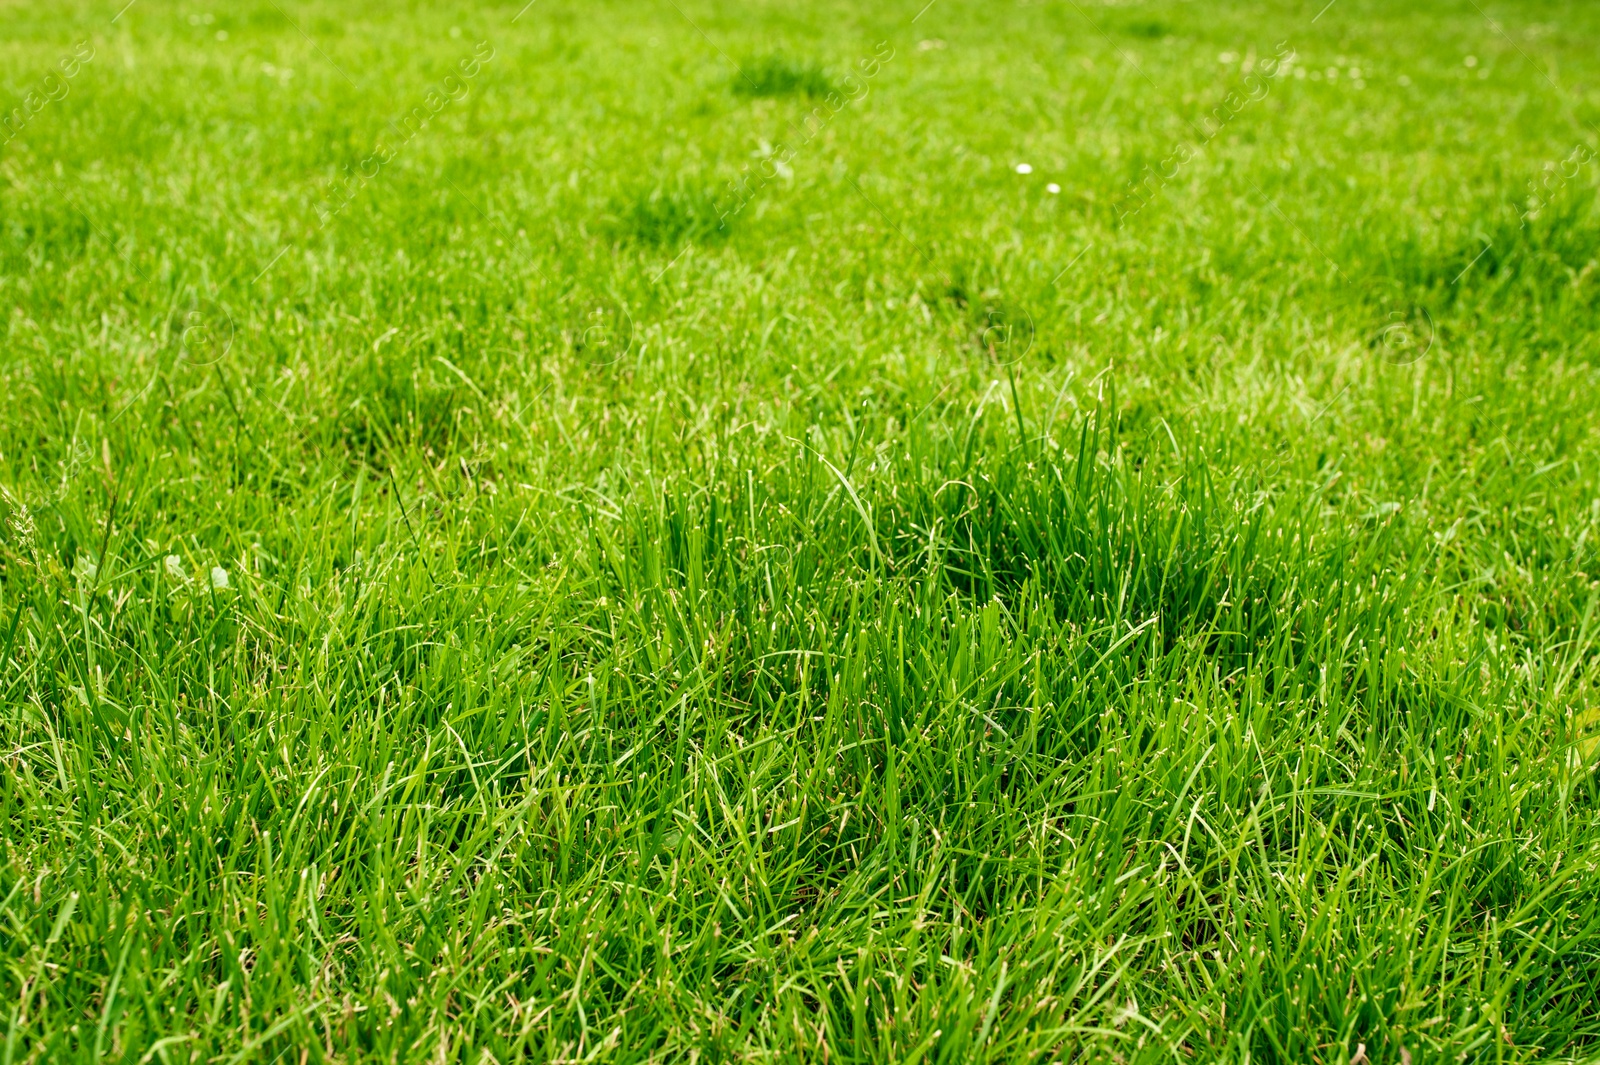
1059	530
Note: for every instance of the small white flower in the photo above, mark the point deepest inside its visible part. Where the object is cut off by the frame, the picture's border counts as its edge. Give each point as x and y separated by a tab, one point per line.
219	577
1470	61
174	566
1024	168
1052	188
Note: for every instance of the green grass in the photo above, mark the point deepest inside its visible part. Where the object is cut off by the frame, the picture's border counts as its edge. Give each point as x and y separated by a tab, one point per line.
774	75
565	550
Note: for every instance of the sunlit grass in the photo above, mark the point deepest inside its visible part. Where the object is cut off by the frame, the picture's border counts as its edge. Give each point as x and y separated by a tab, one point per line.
675	544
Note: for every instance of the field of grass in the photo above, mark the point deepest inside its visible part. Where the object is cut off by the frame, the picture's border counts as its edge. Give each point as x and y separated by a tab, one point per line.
1058	530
